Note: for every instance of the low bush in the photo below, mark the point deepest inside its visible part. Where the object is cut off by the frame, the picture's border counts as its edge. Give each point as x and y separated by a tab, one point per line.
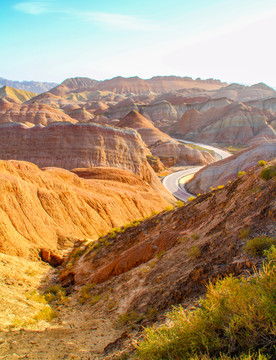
237	318
262	163
241	173
258	245
268	173
55	293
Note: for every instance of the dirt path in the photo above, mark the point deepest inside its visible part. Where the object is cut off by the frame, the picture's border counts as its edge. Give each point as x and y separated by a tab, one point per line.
80	331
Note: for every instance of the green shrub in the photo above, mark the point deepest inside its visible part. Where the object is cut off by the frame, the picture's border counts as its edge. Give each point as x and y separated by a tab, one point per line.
194	236
236	318
268	173
262	163
191	198
194	252
258	245
179	203
270	254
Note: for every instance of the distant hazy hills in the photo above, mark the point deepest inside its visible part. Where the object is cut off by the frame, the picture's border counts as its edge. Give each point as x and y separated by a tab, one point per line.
33	86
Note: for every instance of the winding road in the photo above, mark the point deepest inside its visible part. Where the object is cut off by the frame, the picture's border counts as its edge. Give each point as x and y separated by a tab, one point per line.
172	181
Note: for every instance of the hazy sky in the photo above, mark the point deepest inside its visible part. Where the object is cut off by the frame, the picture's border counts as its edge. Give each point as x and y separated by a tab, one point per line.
231	40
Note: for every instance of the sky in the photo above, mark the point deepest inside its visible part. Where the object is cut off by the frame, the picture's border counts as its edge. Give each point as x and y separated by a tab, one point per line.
51	40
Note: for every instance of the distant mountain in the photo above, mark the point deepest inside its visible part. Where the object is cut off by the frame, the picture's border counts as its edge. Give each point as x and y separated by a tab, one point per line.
33	86
15	94
134	85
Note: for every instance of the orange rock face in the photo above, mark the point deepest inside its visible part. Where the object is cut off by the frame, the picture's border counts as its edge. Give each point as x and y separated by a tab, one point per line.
49	209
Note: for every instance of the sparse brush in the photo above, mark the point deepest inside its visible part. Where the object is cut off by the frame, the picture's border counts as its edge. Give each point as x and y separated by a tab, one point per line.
258	245
244	233
169	208
268	173
56	293
194	252
262	162
35	296
46	314
236	320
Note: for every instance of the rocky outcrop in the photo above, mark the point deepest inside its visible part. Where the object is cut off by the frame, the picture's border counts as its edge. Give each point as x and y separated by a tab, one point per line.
121	109
149	133
175	153
233	124
38	114
161	113
44	211
264	104
79	145
227	169
80	114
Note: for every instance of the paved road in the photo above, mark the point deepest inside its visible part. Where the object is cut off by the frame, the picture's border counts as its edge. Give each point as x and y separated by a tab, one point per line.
171	182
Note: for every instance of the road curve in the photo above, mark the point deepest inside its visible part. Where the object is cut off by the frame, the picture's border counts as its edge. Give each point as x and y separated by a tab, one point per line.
171	182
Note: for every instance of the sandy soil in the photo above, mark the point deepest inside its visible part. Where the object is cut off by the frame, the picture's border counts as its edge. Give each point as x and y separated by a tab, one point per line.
80	331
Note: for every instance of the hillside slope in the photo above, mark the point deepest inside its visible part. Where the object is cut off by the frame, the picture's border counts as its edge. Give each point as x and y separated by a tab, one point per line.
171	256
15	94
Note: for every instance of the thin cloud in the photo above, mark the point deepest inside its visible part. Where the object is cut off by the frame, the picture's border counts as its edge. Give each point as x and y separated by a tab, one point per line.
117	21
33	7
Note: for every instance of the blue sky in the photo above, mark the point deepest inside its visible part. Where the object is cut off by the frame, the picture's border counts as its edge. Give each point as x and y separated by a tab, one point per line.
51	40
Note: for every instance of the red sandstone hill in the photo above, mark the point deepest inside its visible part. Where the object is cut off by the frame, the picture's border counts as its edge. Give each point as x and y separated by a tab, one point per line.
227	169
236	123
38	114
51	208
80	145
149	133
162	145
